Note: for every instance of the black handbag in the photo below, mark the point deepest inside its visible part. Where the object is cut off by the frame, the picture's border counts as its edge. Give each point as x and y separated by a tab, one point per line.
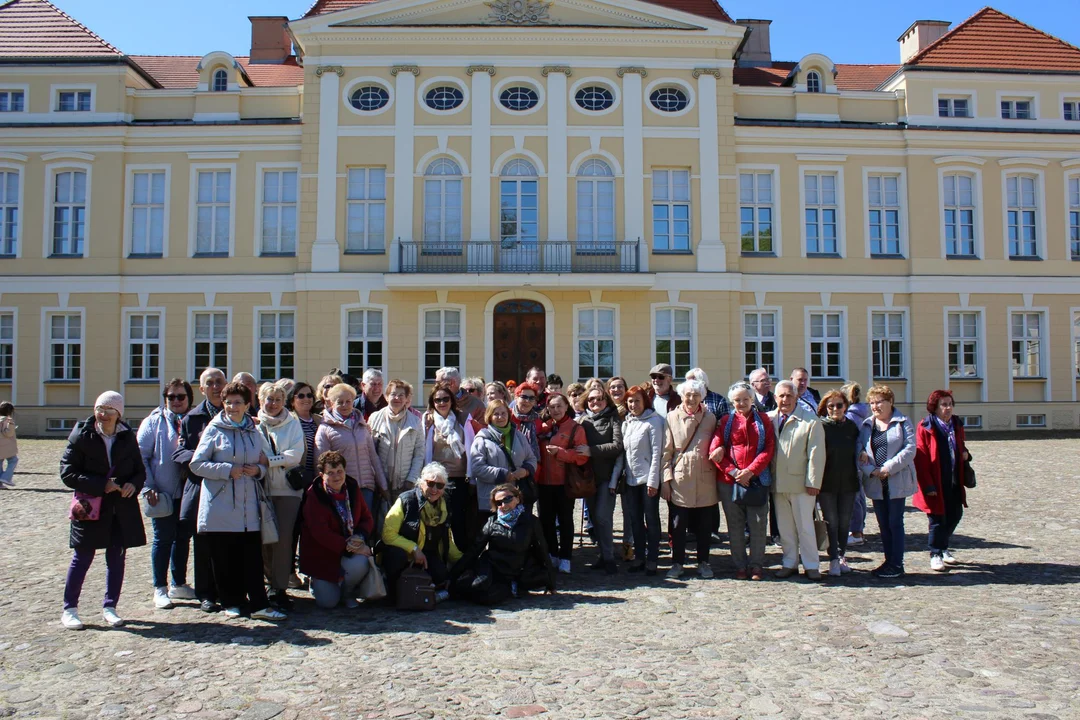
754	495
969	473
527	485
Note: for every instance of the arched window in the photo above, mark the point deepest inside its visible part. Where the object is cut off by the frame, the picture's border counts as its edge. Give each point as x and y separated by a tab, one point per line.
813	81
518	204
442	206
595	206
221	80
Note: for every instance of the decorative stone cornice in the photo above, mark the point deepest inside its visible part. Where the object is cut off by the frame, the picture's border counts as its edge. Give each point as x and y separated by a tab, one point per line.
632	69
414	69
548	69
715	72
323	69
489	69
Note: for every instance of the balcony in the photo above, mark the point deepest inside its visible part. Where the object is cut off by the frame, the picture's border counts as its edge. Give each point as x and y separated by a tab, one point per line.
494	256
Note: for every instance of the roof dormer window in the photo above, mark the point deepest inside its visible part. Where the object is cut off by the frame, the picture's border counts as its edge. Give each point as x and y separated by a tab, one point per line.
73	101
1016	110
221	80
954	107
813	81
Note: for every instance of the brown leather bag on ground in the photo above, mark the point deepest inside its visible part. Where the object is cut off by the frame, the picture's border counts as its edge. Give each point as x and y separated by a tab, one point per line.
415	590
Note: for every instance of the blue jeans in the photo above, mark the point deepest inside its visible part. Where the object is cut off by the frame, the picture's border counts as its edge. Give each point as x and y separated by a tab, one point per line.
170	546
601	508
890	517
641	514
6	473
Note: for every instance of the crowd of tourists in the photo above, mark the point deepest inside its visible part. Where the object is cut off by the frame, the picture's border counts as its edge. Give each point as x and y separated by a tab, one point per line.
360	491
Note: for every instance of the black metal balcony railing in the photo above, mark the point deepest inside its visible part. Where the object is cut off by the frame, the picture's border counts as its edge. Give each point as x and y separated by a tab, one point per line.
494	256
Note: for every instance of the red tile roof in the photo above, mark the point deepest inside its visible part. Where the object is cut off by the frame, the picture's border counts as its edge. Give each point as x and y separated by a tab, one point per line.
705	8
993	40
848	77
179	71
37	28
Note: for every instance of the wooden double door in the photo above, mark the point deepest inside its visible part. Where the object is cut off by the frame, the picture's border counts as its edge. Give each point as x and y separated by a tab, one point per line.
520	339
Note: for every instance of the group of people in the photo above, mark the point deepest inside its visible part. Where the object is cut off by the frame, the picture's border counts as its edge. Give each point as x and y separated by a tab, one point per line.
350	484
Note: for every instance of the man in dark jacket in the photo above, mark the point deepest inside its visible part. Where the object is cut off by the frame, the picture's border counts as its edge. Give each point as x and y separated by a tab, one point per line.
211	383
370	399
763	394
807	396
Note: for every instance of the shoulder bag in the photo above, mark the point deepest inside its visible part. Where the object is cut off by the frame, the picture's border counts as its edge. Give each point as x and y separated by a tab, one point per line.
164	507
268	523
372	587
86	508
580	479
527	485
969	473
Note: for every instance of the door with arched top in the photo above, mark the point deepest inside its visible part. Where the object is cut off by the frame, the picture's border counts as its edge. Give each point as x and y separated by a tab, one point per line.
519	338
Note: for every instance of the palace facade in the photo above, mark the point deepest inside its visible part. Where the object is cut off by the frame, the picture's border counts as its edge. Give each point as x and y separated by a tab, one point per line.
592	186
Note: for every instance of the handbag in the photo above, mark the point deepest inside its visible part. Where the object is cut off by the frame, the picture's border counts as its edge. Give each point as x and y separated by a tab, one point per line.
84	507
372	587
164	507
294	476
415	590
969	473
821	529
754	495
268	523
527	485
580	481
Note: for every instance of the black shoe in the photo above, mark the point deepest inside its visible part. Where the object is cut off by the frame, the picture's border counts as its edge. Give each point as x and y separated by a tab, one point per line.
597	565
650	573
281	600
636	568
209	606
890	572
610	567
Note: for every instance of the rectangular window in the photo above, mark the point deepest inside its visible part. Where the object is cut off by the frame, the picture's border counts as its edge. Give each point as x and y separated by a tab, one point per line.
1076	344
213	212
887	342
756	212
442	341
277	345
673	339
366	219
147	213
73	101
12	101
963	344
596	343
959	207
1025	341
759	342
1016	110
1030	421
883	192
820	214
826	345
595	213
9	212
671	210
144	347
211	342
1070	110
7	347
954	107
60	424
971	422
1074	217
65	347
69	213
364	341
279	205
1023	205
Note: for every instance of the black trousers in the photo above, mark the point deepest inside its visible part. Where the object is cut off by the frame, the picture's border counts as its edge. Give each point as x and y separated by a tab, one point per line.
236	558
701	520
205	588
395	561
556	507
458	499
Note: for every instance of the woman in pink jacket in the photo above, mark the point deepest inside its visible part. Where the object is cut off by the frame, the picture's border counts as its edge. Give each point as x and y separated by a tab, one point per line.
344	430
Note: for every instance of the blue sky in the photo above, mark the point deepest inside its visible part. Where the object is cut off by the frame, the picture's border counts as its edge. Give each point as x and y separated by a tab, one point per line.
847	31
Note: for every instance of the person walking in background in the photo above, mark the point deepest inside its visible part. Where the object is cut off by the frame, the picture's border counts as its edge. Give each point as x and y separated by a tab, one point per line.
9	447
841	482
104	467
857	412
941	459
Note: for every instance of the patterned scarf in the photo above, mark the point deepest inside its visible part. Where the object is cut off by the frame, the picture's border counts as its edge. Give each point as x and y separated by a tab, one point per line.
341	505
509	519
348	422
950	433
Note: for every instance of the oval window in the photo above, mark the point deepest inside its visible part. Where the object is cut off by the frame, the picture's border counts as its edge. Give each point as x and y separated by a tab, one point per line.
594	98
444	97
370	98
669	99
519	98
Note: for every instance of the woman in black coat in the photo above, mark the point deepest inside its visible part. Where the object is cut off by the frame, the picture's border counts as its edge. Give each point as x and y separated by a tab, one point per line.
603	432
102	464
508	558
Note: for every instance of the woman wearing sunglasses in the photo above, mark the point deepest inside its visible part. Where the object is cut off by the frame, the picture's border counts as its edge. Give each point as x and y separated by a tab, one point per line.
499	454
603	432
448	435
301	402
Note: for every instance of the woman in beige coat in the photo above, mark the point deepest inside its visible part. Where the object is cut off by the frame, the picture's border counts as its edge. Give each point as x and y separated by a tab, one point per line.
690	477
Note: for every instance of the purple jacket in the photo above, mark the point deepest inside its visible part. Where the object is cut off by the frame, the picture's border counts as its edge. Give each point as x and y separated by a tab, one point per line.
357	447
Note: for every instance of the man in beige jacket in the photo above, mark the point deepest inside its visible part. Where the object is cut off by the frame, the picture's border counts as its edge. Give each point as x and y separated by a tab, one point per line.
798	467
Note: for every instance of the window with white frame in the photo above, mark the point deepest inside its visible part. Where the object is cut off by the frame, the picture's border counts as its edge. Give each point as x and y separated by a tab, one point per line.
883	195
671	210
596	343
887	344
147	212
1023	208
210	346
959	210
442	206
518	204
364	341
9	212
221	80
1025	344
213	212
144	346
674	339
1076	344
595	206
73	101
954	107
1074	217
279	210
366	210
65	346
69	212
820	213
277	345
760	341
442	341
813	81
1070	110
826	344
7	347
12	101
1030	421
963	344
1016	109
756	212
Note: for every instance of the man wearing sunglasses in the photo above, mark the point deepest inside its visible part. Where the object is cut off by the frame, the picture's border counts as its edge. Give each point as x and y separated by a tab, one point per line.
664	398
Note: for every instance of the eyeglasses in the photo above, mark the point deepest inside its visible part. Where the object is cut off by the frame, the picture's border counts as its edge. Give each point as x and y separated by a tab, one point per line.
175	397
442	400
304	396
436	486
657	377
505	500
474	391
106	410
530	398
839	406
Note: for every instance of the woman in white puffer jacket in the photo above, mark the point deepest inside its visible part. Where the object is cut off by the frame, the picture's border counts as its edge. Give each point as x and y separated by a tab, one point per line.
643	450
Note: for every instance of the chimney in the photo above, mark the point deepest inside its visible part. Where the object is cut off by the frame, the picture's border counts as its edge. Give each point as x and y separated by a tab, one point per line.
270	42
919	35
756	51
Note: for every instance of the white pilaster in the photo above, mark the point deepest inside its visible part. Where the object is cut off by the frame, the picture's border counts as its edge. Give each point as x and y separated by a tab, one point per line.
325	252
480	158
556	160
711	256
634	166
404	151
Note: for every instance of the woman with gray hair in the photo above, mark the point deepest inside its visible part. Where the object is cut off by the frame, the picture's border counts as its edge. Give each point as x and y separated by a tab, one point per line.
742	449
717	404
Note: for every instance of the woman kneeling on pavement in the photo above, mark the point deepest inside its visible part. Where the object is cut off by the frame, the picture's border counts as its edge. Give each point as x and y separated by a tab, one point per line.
510	556
334	537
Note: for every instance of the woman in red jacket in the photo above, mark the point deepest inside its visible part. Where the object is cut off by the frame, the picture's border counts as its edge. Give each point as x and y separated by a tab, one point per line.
334	539
562	441
940	460
742	448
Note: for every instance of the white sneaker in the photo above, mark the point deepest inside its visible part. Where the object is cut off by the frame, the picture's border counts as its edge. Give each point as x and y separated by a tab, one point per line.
853	541
834	568
705	571
267	613
564	567
111	618
675	572
7	482
948	558
937	564
181	592
161	599
233	612
70	619
844	567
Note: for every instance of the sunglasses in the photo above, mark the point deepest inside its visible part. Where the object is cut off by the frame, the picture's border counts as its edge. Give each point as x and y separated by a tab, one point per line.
530	398
442	400
437	485
657	377
835	405
304	396
595	400
505	500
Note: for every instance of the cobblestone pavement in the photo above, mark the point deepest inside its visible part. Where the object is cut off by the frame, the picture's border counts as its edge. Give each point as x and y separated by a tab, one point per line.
997	637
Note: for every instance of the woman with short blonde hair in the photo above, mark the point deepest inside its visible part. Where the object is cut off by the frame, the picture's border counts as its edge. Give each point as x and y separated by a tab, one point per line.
345	431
